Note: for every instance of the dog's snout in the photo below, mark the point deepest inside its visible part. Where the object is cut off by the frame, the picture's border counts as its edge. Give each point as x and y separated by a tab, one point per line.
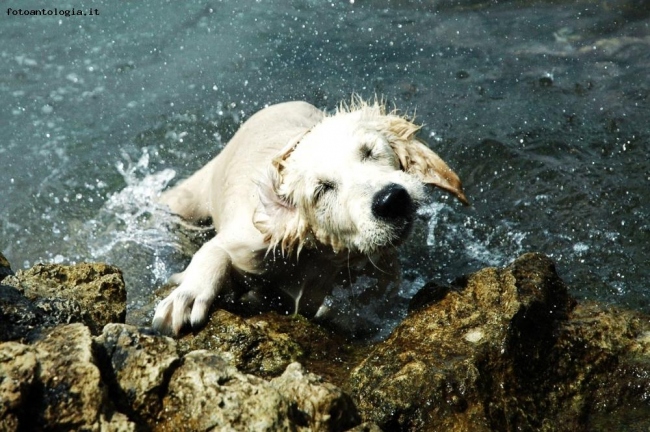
392	202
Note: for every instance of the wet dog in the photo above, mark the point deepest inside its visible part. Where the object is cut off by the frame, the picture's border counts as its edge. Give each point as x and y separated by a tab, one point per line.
297	197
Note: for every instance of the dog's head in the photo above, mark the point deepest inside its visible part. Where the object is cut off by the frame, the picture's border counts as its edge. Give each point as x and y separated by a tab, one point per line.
353	182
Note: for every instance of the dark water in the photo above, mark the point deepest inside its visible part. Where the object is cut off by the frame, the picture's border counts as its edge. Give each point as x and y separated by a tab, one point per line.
542	110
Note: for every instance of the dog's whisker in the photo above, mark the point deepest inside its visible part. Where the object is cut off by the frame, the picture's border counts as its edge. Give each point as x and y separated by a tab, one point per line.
376	266
349	270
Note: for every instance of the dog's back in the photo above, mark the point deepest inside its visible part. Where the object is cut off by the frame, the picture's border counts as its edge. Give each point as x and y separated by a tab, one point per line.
225	189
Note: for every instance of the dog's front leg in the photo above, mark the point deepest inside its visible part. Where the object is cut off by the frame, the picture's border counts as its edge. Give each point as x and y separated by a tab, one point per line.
206	275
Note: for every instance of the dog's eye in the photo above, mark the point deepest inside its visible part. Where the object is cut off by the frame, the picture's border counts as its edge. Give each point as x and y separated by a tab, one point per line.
323	187
366	153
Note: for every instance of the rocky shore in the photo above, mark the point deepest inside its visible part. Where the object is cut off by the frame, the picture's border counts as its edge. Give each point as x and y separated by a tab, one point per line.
502	349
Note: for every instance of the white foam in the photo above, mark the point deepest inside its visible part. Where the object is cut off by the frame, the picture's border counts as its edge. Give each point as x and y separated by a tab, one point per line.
133	214
492	246
580	248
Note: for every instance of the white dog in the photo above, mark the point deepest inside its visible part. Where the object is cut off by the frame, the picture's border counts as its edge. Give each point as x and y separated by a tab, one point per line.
297	197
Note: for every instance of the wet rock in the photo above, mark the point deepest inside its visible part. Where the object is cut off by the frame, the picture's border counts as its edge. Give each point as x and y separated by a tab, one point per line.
265	344
126	378
207	393
600	368
365	427
137	367
502	349
18	315
320	405
93	294
323	351
54	384
430	293
253	347
5	268
73	391
508	350
17	376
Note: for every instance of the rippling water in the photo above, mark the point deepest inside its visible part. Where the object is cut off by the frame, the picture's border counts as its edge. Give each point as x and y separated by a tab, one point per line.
542	110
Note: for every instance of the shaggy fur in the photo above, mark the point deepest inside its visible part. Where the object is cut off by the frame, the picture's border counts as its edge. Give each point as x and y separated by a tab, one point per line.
297	197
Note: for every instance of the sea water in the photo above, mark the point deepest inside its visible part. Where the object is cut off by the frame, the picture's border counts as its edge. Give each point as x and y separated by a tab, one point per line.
541	110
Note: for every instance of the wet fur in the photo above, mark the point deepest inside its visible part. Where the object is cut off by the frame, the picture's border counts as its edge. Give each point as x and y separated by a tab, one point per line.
291	198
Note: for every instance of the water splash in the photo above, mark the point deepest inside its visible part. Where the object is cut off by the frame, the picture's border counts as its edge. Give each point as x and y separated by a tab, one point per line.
136	233
453	239
471	236
374	319
133	214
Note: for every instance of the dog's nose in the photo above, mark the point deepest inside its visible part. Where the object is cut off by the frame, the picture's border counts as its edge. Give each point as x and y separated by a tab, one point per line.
392	202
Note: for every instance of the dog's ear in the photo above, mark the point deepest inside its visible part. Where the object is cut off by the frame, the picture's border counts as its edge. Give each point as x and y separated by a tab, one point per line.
277	216
419	160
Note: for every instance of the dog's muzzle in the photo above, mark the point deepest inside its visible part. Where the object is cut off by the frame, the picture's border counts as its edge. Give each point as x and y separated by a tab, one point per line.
393	204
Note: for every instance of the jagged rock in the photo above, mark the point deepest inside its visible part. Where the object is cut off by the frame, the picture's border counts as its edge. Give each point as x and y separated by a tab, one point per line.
55	384
66	380
598	369
17	375
366	427
507	350
265	344
93	294
322	406
322	351
5	268
137	367
502	349
253	347
73	391
18	315
207	393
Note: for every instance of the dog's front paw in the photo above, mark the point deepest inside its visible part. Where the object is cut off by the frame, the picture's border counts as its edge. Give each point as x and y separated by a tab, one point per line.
185	305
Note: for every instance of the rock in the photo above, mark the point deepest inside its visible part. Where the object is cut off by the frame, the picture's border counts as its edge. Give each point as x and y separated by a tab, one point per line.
322	351
93	294
265	344
5	268
17	376
54	384
126	378
253	347
425	375
321	406
502	349
18	315
509	350
73	391
137	367
598	368
431	292
207	393
365	427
